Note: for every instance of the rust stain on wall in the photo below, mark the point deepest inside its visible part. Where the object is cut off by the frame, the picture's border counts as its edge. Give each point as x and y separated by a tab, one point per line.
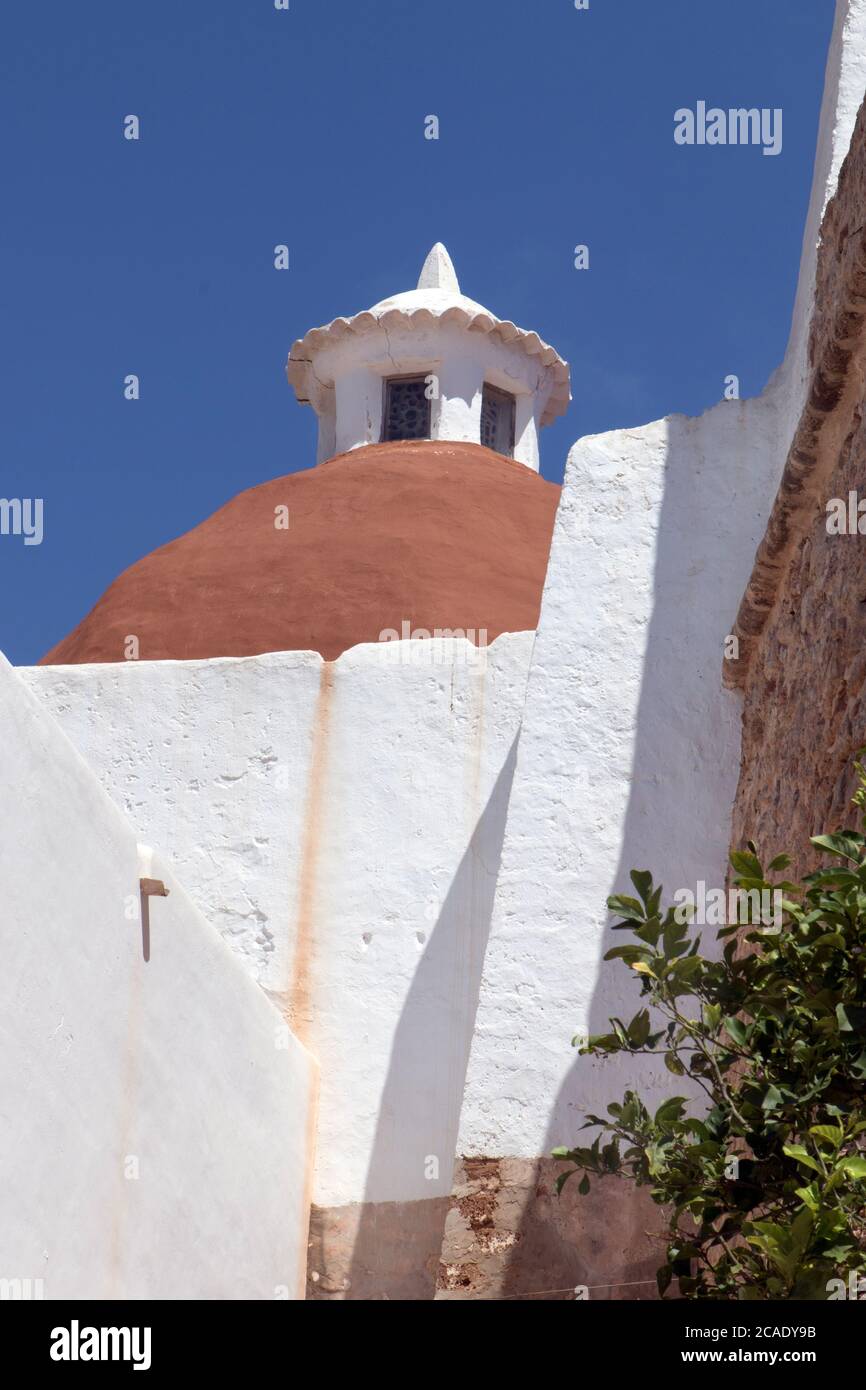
299	994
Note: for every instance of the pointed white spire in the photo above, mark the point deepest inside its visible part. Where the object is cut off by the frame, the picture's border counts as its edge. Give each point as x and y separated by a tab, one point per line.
437	272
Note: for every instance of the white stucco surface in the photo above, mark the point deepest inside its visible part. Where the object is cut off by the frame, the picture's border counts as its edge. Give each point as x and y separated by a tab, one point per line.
210	759
157	1115
628	755
356	829
340	824
629	750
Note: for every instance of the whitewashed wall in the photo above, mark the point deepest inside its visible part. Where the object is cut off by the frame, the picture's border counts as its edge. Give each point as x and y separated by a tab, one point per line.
177	1064
343	823
340	823
628	755
629	751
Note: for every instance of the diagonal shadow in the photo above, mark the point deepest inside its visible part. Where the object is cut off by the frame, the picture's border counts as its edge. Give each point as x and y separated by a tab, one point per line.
681	784
397	1247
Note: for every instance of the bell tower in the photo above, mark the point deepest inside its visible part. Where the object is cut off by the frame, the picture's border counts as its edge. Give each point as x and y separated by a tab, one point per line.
429	364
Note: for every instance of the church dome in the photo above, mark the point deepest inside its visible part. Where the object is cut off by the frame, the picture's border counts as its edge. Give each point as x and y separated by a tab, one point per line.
436	534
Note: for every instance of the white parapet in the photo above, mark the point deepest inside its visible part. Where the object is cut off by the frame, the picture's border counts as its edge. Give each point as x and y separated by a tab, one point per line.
158	1115
340	823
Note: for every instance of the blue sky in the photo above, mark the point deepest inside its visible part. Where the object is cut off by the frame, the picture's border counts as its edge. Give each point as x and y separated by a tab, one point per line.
305	127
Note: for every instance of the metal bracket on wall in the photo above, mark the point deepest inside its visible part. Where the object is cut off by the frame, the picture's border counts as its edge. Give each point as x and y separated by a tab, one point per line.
152	888
148	888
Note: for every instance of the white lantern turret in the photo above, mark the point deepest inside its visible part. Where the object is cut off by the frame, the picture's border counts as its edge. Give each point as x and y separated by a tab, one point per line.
429	364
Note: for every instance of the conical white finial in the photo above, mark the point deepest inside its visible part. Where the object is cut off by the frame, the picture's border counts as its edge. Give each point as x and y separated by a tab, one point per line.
437	272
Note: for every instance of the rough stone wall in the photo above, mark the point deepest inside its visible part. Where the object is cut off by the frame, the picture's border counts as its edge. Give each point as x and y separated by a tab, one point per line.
509	1236
804	711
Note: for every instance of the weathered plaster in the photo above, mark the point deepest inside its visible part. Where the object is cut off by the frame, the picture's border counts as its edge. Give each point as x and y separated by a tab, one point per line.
652	548
156	1138
340	824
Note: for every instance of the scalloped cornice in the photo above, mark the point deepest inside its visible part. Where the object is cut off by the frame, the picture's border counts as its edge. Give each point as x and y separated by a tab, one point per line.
432	303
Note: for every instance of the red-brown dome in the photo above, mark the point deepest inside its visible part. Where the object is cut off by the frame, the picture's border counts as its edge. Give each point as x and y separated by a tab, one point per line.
439	534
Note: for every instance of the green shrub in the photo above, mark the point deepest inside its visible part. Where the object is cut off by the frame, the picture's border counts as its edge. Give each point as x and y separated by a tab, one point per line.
765	1184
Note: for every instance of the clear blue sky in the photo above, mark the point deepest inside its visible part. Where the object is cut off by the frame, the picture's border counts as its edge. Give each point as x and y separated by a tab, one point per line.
305	127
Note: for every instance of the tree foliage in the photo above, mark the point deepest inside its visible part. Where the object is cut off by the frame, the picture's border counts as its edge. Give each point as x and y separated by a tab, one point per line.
764	1181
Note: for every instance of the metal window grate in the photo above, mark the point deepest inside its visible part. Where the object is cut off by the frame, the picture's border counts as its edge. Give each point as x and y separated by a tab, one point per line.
407	409
497	421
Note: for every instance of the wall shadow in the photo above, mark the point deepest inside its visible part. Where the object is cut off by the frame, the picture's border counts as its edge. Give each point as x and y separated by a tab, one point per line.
683	779
397	1247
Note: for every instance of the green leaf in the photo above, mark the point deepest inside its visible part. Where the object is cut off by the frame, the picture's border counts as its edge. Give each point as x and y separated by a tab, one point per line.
712	1017
747	865
627	953
643	882
638	1029
670	1111
626	907
583	1185
831	1134
796	1151
737	1030
855	1167
848	845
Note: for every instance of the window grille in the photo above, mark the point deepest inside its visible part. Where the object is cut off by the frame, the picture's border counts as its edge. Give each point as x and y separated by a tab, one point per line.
407	409
497	420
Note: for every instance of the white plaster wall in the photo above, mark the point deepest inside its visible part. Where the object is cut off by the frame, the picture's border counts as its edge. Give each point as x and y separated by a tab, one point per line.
629	751
210	759
340	823
178	1062
628	754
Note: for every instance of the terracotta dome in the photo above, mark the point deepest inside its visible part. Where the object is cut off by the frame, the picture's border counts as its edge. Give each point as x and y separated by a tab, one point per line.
440	534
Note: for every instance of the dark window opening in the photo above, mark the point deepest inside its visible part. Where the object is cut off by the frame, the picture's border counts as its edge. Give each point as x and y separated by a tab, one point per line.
497	420
407	408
